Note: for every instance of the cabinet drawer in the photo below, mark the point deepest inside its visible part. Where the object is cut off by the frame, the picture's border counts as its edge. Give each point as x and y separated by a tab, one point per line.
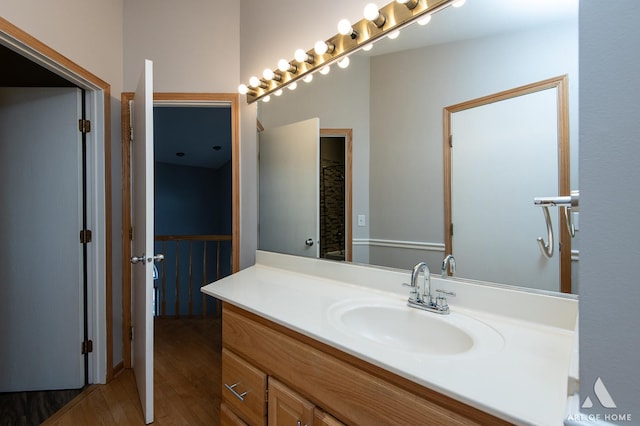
244	388
228	417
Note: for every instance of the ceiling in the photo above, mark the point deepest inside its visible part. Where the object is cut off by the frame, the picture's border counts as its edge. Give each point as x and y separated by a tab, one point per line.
189	135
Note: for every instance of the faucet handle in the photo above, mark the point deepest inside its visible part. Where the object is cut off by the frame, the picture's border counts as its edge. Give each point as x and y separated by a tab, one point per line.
441	300
413	294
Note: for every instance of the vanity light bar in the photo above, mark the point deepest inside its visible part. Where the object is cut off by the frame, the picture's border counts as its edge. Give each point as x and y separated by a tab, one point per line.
398	16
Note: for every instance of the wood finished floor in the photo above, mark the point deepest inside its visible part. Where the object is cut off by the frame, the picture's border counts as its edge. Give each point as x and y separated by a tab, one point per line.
186	375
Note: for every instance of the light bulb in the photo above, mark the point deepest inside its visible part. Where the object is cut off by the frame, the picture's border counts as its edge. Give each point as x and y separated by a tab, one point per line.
254	81
344	27
278	92
308	79
284	65
266	98
243	89
425	20
300	55
458	3
293	86
320	47
325	70
344	62
367	47
371	12
268	74
394	35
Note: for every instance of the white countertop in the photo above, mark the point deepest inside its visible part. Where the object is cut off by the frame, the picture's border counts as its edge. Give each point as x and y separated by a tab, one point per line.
523	379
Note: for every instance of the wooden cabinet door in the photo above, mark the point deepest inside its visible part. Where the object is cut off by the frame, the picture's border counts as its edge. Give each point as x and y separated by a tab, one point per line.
229	418
287	408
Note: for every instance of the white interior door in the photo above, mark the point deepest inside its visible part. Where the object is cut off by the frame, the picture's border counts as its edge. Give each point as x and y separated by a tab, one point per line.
142	245
504	154
40	218
289	194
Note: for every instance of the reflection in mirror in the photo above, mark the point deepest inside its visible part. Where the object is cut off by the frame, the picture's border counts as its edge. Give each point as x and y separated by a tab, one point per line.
487	142
393	98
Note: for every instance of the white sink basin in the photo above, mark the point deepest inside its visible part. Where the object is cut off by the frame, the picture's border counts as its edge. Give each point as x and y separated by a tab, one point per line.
399	327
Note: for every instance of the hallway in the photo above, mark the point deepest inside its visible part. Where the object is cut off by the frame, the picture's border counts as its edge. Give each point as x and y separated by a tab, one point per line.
187	382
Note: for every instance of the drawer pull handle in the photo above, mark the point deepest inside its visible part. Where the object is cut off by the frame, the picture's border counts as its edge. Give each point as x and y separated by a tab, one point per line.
231	388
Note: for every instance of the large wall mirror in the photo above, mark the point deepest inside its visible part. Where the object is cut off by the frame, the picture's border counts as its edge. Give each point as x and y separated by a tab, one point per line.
393	99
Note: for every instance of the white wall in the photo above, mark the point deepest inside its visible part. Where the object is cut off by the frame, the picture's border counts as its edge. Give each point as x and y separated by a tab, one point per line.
194	44
406	123
609	205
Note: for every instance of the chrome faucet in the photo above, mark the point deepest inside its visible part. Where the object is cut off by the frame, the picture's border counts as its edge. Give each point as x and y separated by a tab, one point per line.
448	261
425	300
415	295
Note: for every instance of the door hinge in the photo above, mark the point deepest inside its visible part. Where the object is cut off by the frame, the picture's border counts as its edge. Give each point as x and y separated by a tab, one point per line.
85	236
87	347
451	229
130	134
450	141
131	333
84	126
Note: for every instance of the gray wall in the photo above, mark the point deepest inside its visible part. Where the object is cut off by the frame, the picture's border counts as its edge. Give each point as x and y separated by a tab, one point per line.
339	100
609	159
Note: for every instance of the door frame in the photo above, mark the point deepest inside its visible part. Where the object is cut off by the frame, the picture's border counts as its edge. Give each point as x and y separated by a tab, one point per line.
98	92
177	99
561	84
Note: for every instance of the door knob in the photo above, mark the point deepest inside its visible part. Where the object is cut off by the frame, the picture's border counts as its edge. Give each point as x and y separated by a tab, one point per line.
309	242
142	259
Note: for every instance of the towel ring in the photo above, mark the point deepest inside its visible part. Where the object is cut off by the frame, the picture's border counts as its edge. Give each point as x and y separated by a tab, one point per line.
546	248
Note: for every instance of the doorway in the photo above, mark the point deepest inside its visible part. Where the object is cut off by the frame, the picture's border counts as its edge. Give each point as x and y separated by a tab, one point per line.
29	63
174	100
193	199
335	194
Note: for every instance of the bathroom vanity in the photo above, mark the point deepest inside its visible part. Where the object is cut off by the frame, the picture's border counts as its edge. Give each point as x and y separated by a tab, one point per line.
309	341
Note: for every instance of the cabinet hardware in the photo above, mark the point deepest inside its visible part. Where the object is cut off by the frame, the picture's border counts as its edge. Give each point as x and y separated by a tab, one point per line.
231	388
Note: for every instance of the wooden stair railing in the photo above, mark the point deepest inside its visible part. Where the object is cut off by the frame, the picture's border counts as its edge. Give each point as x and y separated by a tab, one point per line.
190	239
